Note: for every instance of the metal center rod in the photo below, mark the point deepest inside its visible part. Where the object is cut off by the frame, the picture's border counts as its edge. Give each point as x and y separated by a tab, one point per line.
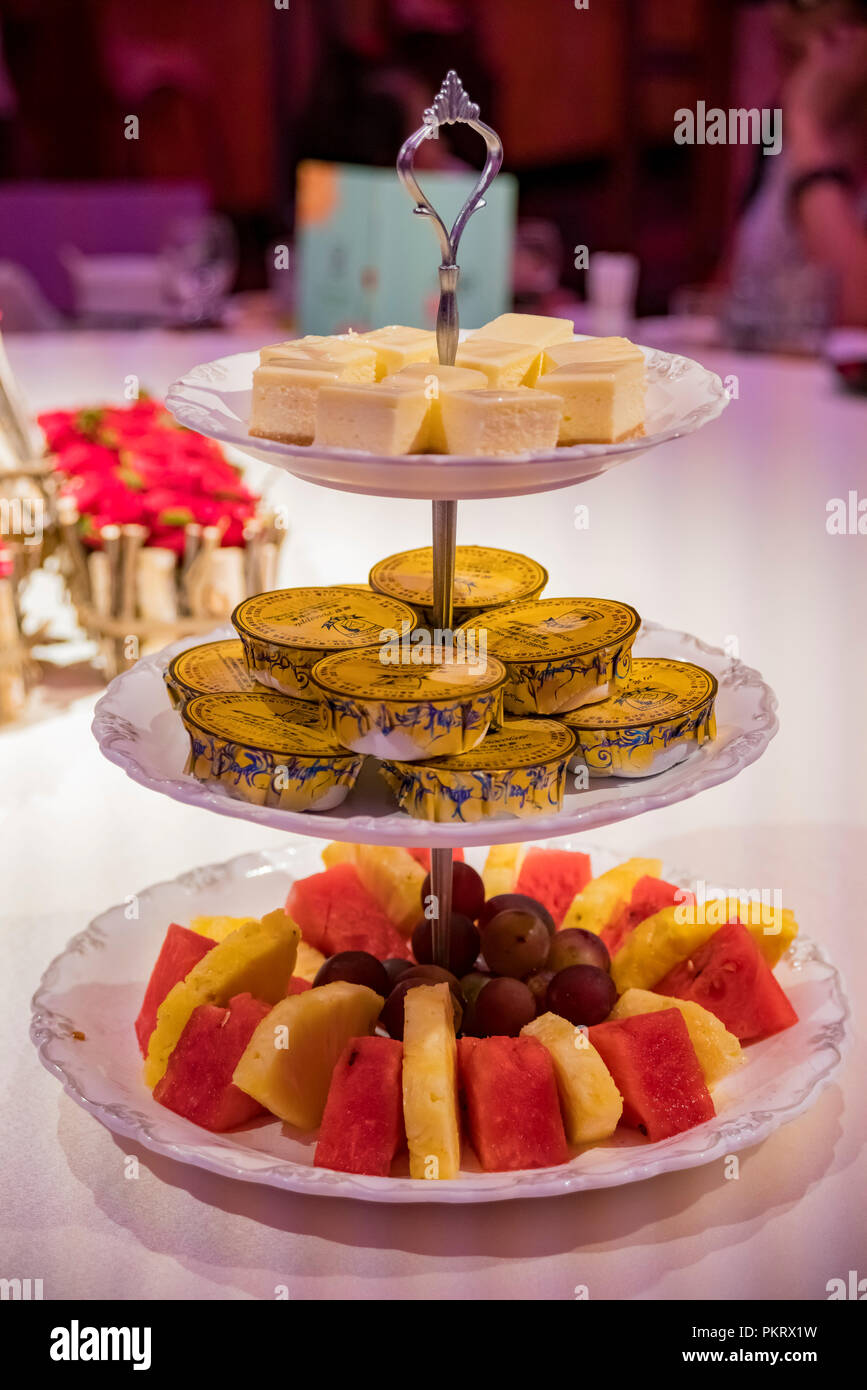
451	104
445	517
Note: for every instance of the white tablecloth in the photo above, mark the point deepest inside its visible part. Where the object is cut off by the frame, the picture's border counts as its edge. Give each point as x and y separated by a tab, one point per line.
723	534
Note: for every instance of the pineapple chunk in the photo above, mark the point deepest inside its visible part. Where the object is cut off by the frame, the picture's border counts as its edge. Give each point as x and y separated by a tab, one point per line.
389	874
218	928
430	1083
307	962
338	852
256	959
718	1050
594	908
589	1099
288	1061
659	942
502	867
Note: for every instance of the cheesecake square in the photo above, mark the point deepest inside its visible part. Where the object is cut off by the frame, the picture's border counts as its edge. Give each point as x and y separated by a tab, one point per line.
539	329
510	421
396	346
592	353
384	419
505	364
601	405
285	392
358	362
437	380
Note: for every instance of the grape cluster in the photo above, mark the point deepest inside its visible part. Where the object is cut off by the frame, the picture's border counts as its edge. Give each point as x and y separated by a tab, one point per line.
507	964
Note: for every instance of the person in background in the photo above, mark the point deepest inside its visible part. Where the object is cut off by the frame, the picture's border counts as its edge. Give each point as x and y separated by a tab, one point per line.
808	205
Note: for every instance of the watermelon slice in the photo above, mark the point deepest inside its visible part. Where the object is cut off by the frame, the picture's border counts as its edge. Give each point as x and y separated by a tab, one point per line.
297	985
650	895
336	913
511	1103
362	1128
180	951
197	1082
422	856
553	877
656	1070
730	977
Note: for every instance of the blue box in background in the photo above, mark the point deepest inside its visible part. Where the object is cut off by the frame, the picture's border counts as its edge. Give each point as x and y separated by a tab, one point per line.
365	259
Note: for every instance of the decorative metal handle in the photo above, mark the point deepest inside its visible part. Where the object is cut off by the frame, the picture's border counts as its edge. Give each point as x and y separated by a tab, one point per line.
450	106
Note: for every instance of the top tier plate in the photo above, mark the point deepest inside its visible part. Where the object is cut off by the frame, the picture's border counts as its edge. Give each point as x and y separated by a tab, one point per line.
214	399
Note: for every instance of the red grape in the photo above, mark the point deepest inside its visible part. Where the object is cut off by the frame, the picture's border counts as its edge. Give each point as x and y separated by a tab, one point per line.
501	901
357	968
515	942
577	946
391	1017
472	984
537	984
468	891
502	1009
583	994
395	967
463	943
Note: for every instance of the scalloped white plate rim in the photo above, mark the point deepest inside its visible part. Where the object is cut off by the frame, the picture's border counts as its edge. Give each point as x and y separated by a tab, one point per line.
116	734
166	1133
187	399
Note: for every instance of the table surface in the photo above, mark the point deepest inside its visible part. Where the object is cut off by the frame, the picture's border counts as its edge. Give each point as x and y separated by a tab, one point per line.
724	535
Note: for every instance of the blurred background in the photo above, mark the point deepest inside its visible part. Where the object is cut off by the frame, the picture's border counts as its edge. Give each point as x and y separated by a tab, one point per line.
179	137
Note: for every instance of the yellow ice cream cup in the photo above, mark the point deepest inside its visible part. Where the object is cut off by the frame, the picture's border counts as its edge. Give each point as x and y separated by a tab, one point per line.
268	749
286	631
485	578
519	770
400	701
656	718
212	668
561	653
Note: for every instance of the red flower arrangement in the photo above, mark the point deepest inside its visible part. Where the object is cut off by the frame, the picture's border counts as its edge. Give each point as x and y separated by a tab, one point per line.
123	464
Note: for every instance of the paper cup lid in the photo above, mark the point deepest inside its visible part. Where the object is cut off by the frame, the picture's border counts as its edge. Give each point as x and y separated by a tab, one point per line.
332	618
483	576
212	668
269	723
657	690
516	743
548	628
365	675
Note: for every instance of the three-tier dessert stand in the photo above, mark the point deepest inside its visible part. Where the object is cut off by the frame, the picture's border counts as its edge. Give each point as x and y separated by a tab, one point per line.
136	728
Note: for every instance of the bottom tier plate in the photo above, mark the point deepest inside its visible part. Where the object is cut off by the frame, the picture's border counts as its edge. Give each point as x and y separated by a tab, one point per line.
95	988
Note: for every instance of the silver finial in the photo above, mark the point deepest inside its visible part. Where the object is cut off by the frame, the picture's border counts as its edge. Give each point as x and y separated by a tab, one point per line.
451	104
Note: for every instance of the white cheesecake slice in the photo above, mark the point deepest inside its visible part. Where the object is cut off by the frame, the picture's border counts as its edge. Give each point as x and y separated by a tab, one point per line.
505	363
384	419
396	346
527	328
437	381
510	421
602	383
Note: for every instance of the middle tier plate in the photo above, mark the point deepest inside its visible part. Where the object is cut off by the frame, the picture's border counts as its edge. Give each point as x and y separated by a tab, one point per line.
136	728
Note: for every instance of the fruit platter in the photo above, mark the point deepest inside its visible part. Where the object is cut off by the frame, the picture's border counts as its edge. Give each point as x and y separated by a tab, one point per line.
278	1019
